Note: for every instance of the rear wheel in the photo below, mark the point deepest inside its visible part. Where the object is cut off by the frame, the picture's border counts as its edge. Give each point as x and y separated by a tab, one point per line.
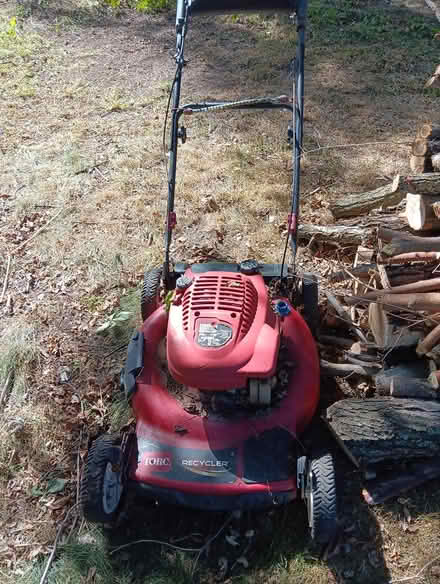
150	292
101	485
310	300
321	499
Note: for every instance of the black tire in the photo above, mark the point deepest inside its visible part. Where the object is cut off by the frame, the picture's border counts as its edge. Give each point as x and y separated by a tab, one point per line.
310	299
321	499
96	507
150	292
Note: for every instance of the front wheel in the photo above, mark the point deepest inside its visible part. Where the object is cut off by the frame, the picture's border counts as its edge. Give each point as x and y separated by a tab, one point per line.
321	500
101	485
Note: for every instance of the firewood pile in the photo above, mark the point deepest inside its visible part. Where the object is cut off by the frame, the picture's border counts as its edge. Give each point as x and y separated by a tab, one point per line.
381	326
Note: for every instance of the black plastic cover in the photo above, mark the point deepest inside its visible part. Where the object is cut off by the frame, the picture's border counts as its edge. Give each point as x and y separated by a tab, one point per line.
266	270
134	363
197	6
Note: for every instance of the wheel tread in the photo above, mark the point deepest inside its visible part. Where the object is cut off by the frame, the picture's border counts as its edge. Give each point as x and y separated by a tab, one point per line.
324	521
102	451
149	291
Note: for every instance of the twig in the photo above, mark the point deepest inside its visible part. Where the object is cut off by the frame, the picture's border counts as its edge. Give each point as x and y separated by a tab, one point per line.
55	543
408	578
165	543
208	543
5	283
45	226
355	145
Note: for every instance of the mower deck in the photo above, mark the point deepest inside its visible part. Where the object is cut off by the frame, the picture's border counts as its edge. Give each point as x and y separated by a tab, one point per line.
218	458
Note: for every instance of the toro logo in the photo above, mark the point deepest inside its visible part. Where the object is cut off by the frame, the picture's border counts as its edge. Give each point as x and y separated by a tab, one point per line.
157	461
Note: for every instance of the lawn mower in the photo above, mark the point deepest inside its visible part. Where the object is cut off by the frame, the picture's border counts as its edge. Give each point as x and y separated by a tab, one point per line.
223	375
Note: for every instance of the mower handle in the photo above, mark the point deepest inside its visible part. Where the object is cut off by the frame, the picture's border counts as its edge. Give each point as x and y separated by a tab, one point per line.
220	6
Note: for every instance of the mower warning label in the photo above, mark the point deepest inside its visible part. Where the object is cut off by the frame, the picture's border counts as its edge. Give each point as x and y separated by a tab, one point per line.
185	464
213	335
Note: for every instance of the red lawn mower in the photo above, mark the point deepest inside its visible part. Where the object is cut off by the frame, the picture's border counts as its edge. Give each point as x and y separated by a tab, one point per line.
223	376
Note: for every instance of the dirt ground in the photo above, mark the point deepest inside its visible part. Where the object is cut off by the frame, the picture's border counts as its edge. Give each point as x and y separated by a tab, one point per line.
83	95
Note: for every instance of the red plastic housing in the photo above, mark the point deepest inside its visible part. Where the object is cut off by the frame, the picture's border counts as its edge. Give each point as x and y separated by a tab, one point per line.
238	306
188	453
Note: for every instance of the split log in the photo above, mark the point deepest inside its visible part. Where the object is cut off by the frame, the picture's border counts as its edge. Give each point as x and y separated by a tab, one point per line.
394	243
364	271
416	256
364	255
420	286
380	327
435	161
429	342
336	341
417	301
404	387
423	184
383	429
398	481
417	164
410	369
361	203
343	369
419	147
420	212
434	379
335	234
434	80
428	131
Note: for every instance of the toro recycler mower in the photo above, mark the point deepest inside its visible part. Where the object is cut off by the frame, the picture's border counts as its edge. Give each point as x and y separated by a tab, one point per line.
223	375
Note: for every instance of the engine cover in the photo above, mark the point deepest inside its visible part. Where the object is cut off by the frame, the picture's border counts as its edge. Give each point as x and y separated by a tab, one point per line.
222	330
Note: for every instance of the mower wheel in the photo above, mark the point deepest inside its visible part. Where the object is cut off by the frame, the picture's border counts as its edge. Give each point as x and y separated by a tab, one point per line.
150	292
101	485
310	299
321	499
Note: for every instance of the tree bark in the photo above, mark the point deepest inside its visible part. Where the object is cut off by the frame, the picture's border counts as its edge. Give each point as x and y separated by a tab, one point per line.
423	184
383	429
404	387
361	203
420	212
335	234
397	481
395	243
421	286
429	342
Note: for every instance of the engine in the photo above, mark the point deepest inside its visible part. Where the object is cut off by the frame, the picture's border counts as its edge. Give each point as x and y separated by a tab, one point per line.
222	331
